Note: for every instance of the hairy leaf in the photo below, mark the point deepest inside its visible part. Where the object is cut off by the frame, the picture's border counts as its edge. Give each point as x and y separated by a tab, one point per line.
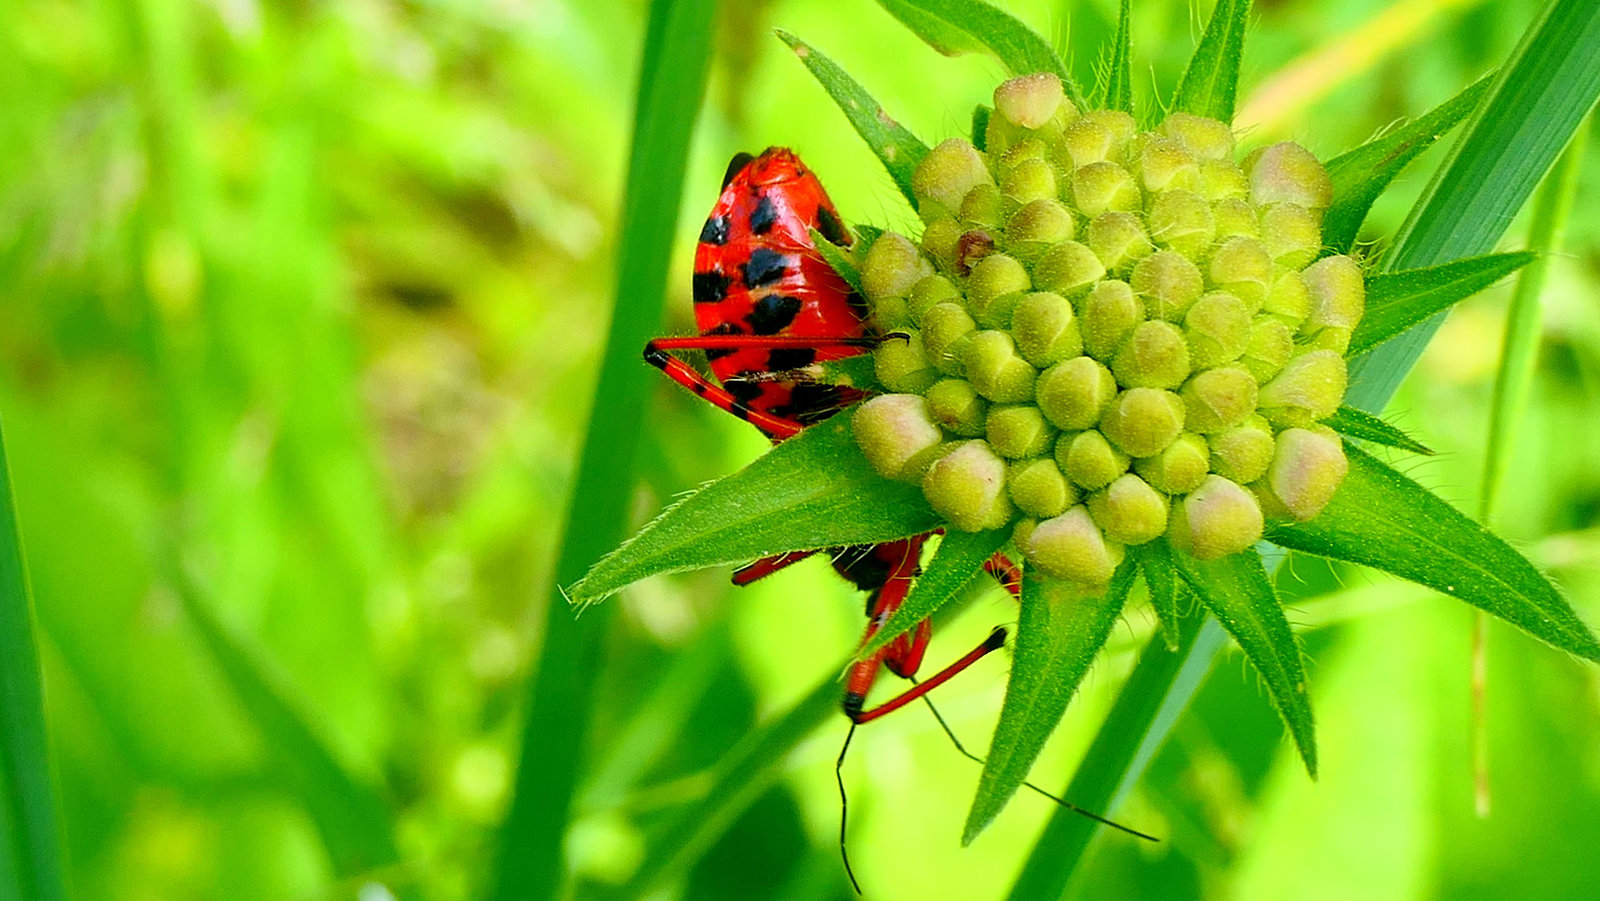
1361	175
1361	424
957	563
1061	630
1155	561
838	258
1117	90
898	149
954	27
1210	84
859	371
1396	301
1386	521
813	491
1239	594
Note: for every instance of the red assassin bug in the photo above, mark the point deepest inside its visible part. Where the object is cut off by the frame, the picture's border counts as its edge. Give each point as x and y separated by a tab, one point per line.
768	306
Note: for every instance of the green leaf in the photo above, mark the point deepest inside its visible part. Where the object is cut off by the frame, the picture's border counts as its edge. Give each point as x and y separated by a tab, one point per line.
815	490
859	371
1210	83
838	258
1359	176
30	843
957	563
1380	518
1062	629
1239	594
1117	91
980	127
1363	425
954	27
898	149
1396	301
1155	561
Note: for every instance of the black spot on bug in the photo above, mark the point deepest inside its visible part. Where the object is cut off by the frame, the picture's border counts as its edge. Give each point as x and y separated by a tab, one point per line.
785	358
764	267
831	227
711	287
715	231
722	328
772	314
811	402
739	161
743	390
764	216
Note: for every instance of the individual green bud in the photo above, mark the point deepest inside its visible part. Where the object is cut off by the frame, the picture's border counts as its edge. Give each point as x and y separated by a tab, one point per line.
1242	267
1288	173
941	181
1235	218
1089	139
1074	392
892	266
947	329
1331	338
1309	389
939	240
1217	519
902	363
1018	431
1045	329
1182	221
1129	511
1037	226
933	289
1180	468
1242	453
1169	283
1288	301
1068	269
1029	181
1153	356
1141	422
1306	471
1119	240
1109	314
1291	234
994	367
1099	187
892	314
967	487
1271	346
1121	125
1025	149
1029	100
1038	488
892	430
958	408
1071	547
996	276
1217	328
1165	164
1206	139
1219	398
1089	460
983	207
1338	294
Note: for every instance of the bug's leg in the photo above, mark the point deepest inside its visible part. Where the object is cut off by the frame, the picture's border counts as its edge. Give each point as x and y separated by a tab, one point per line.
775	427
766	566
1008	574
995	641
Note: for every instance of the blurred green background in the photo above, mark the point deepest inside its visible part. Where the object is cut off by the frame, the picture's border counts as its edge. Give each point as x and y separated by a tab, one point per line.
301	307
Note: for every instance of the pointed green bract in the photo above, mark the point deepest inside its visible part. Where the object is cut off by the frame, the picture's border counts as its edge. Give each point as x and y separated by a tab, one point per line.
1117	90
815	490
957	563
1155	561
954	27
897	148
1361	175
1386	521
838	258
1361	424
1210	83
1061	630
858	371
1396	301
1239	594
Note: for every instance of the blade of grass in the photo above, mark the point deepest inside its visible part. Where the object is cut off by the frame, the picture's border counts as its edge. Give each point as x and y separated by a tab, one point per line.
30	845
1210	83
560	689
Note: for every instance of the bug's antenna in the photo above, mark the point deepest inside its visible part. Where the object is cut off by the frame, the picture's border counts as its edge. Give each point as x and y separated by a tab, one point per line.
844	808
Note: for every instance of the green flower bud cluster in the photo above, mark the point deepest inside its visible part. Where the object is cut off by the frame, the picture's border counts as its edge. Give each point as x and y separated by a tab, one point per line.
1105	335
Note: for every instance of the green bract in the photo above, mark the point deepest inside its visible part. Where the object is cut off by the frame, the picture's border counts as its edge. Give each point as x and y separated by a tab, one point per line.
1121	299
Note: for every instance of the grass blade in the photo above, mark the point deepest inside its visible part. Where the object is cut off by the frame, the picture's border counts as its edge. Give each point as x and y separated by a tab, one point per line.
30	845
1155	561
1361	424
1210	83
898	149
1396	301
1359	176
1117	91
954	27
956	564
559	691
1061	631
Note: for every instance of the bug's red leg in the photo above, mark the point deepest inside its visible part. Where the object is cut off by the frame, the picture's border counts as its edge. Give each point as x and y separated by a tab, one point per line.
995	641
766	566
776	427
1008	574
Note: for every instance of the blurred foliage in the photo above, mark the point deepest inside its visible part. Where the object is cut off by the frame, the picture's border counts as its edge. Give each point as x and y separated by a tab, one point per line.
301	308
